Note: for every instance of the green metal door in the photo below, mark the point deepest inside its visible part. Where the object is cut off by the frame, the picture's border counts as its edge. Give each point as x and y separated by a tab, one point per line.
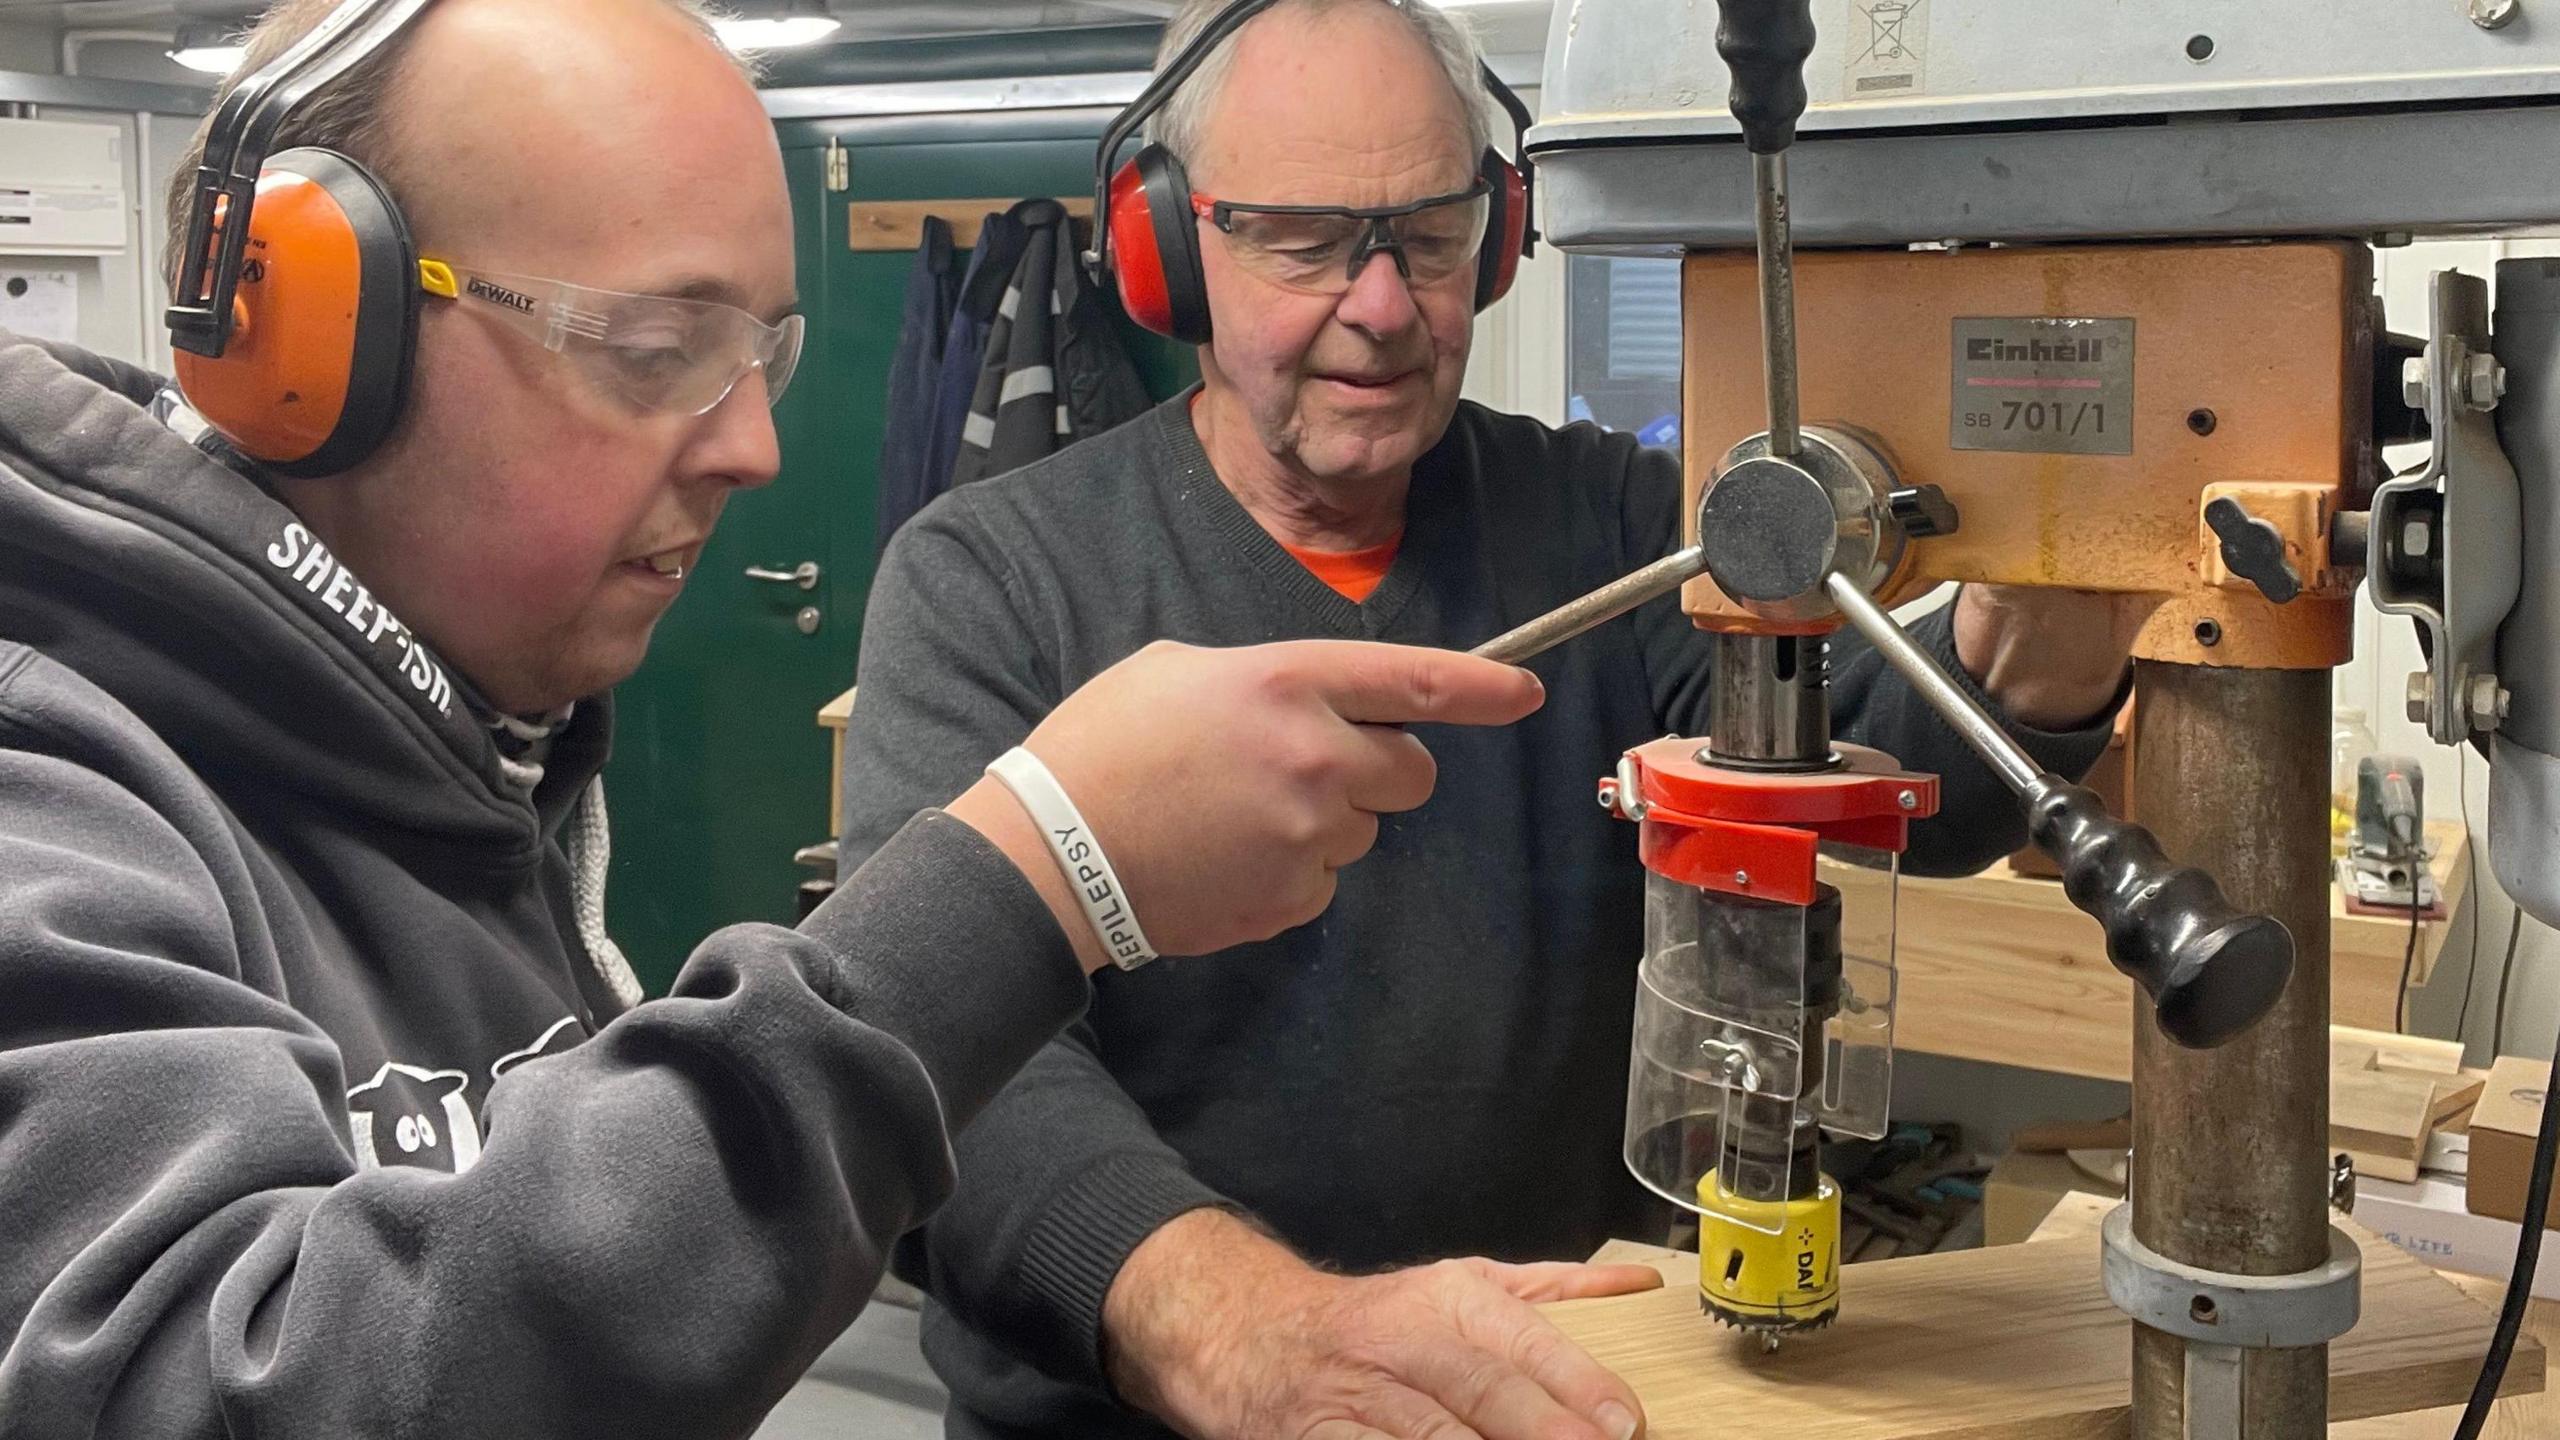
720	771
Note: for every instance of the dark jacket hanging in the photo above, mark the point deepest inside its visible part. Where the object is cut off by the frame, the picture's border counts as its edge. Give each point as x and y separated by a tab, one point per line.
1054	372
1001	241
906	437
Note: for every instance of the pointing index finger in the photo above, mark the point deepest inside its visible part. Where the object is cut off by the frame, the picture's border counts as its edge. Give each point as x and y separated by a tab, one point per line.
1366	682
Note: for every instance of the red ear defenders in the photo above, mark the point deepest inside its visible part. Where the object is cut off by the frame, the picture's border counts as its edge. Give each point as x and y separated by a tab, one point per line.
1147	239
295	315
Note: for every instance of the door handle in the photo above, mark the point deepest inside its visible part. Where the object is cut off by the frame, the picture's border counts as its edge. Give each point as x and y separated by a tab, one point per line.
805	575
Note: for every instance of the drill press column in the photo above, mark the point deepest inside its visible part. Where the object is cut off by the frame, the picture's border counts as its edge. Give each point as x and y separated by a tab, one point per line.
2230	1145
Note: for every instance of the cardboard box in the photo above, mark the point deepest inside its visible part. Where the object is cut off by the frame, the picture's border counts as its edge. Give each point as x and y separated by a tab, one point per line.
2502	1133
2428	1219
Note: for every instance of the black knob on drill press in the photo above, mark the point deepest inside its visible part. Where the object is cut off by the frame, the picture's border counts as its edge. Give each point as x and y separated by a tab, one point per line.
1764	44
2211	968
1923	511
2254	550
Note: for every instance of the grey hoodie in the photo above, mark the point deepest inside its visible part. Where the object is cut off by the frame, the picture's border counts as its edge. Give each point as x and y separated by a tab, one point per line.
317	1116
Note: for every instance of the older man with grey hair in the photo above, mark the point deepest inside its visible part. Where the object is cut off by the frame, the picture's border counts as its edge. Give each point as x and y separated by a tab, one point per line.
1217	1204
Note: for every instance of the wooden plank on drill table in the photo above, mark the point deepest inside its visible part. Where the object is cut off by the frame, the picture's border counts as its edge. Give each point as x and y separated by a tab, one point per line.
1678	1267
2522	1417
2000	967
2017	1342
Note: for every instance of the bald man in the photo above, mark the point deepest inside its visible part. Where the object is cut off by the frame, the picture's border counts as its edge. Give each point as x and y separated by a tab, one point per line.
326	1106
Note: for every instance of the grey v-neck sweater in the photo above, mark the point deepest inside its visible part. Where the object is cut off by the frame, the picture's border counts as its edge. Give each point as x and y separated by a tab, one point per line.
1437	1066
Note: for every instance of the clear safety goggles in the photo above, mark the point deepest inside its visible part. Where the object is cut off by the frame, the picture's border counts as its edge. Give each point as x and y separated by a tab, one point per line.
1321	249
651	352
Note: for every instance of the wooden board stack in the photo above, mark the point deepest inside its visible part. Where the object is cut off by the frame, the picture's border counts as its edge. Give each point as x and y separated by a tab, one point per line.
2388	1093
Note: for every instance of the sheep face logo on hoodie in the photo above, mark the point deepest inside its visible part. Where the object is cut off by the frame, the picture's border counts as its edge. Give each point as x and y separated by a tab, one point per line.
409	1115
405	1115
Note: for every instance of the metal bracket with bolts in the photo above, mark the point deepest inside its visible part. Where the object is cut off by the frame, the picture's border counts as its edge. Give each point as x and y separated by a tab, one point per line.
2446	542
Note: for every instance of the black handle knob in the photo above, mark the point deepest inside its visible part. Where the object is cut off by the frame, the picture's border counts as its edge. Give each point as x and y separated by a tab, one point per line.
2210	968
1924	511
2254	550
1764	43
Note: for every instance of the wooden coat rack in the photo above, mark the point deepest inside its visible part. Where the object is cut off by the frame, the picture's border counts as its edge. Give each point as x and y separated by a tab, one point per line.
899	224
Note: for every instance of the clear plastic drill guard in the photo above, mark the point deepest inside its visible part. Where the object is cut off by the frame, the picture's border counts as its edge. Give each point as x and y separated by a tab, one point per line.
1723	998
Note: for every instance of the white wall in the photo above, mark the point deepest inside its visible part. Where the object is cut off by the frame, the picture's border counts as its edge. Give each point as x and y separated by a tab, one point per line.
1518	364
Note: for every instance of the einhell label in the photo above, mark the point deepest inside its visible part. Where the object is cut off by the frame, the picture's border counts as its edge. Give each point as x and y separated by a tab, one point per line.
2046	384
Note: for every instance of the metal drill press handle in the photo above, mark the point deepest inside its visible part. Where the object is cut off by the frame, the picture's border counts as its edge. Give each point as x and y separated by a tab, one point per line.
1764	44
1516	645
2211	968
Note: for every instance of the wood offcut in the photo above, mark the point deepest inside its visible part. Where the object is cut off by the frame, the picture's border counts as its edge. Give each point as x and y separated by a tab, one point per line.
2389	1092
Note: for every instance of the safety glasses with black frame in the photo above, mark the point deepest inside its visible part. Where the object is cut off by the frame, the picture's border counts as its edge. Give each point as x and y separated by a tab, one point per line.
1321	249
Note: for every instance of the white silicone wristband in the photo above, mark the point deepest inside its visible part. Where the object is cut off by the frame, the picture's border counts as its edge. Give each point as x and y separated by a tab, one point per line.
1089	874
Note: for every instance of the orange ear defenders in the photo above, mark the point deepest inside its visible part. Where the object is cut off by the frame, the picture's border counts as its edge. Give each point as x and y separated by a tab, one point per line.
296	308
1147	239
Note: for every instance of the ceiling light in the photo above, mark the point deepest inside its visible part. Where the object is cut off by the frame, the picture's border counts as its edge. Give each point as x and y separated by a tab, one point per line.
211	59
212	49
802	22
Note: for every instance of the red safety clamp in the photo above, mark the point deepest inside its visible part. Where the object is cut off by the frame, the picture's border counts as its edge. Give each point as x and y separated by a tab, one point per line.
1754	833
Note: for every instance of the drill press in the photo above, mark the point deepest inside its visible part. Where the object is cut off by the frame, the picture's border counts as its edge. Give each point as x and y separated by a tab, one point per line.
2103	276
1754	1033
